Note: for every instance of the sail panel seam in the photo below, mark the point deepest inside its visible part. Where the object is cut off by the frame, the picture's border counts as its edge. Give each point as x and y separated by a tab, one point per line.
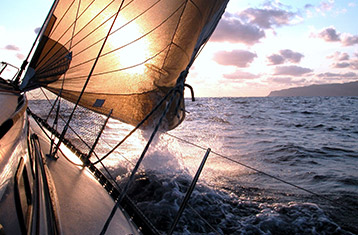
41	69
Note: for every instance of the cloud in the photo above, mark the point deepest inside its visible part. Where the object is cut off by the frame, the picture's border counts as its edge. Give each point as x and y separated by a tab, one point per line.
338	76
231	29
37	30
346	75
239	58
276	59
240	75
287	80
267	18
292	56
343	60
308	6
354	64
291	70
12	48
329	34
20	56
326	5
248	26
341	65
285	55
338	56
349	40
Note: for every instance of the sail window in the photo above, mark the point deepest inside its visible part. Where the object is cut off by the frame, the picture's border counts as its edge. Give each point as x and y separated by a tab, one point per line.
98	103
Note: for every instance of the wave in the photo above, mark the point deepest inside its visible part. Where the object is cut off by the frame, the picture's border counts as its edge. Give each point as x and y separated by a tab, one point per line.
159	196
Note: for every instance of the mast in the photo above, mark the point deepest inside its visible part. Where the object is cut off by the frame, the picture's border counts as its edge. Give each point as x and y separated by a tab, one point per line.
39	35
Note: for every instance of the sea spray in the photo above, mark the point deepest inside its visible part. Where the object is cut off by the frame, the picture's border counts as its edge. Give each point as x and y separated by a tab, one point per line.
308	141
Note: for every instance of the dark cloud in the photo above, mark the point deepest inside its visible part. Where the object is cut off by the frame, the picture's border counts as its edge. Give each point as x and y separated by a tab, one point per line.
239	58
37	30
341	65
349	76
341	75
291	70
12	48
267	18
308	6
329	34
291	56
240	75
276	59
285	55
231	29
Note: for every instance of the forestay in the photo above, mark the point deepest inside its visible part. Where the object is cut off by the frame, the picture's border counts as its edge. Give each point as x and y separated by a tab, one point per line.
149	44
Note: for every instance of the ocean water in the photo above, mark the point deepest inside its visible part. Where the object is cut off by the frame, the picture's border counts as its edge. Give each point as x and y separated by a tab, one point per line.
278	165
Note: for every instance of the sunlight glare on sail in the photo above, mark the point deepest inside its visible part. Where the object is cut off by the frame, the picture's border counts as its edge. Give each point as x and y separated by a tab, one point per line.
130	46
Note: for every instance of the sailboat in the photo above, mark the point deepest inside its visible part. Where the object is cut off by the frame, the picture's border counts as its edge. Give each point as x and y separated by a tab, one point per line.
125	59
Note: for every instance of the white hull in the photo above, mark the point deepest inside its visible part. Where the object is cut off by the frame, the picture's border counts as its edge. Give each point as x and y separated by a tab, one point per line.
40	195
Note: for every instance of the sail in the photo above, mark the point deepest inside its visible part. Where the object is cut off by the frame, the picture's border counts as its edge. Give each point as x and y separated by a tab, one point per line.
127	54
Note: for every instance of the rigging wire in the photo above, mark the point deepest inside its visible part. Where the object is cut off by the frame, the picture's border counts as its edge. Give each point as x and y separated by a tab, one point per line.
254	169
71	128
220	155
78	135
58	50
131	178
137	127
87	80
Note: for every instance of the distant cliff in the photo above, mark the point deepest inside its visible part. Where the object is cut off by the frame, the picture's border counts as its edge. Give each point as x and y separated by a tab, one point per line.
344	89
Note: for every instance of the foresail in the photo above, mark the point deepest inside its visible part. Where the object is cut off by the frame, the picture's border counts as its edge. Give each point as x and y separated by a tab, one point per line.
149	44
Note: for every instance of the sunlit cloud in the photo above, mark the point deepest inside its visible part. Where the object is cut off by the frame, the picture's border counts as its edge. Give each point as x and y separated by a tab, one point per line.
291	70
349	40
352	4
231	29
20	56
239	75
354	64
339	56
238	58
343	60
268	18
326	5
287	80
12	48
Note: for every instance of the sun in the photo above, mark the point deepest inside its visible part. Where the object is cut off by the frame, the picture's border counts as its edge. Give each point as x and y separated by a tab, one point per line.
130	44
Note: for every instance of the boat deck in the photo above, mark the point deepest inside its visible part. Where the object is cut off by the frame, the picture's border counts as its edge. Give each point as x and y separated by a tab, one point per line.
83	205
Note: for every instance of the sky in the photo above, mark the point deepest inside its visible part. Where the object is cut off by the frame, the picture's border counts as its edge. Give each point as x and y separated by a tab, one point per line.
258	46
